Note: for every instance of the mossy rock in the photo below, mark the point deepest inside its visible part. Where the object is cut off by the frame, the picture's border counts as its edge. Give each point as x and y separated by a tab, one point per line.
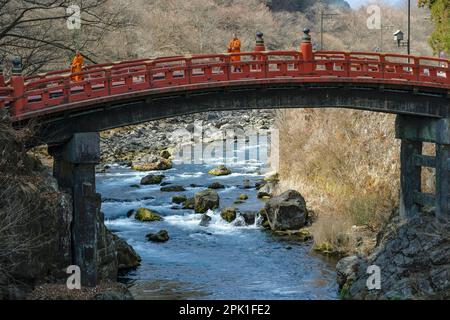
160	236
135	186
220	171
179	199
152	179
206	200
238	202
173	189
229	214
146	215
266	224
161	164
302	235
243	197
189	204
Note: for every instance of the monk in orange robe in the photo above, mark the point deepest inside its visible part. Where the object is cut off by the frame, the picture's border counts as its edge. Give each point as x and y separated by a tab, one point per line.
234	47
77	66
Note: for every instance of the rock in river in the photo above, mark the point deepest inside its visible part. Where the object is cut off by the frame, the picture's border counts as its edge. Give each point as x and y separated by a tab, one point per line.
158	164
220	171
287	211
206	200
146	215
189	204
205	220
127	258
152	179
179	199
216	185
160	236
173	189
228	214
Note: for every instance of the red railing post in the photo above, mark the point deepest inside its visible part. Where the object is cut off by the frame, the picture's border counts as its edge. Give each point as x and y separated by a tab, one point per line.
416	69
188	66
18	85
259	47
307	52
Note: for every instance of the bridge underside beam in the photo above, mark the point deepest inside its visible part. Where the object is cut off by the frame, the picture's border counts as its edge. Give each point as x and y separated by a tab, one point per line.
74	169
137	109
413	131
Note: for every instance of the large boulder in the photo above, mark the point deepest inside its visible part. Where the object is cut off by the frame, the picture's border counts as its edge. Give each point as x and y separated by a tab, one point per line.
206	200
146	215
152	179
287	211
160	236
220	171
249	217
189	204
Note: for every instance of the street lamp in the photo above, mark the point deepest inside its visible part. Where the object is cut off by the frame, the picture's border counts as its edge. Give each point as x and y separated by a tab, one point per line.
399	35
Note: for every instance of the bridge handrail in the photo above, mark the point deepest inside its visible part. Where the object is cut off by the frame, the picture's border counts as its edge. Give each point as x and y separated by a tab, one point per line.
56	88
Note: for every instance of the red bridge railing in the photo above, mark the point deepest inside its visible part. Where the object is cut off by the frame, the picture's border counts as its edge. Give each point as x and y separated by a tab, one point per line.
24	96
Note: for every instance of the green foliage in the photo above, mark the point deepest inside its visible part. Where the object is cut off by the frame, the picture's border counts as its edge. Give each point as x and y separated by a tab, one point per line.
440	14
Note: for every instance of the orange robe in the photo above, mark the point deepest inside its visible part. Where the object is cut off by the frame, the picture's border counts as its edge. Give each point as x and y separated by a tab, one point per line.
235	46
77	66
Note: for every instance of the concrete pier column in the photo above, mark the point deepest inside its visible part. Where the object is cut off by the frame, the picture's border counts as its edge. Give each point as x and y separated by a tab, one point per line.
410	177
74	169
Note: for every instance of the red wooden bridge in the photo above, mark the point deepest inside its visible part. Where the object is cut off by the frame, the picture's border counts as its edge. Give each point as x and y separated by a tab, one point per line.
54	92
70	114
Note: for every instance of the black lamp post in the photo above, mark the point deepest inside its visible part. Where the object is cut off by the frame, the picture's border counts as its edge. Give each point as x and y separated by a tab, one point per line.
399	35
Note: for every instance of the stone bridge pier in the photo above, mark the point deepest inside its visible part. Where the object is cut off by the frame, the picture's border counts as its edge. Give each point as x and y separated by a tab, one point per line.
413	132
74	169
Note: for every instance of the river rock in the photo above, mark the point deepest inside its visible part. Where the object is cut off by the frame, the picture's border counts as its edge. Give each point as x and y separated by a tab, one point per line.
216	185
205	220
287	211
127	257
173	189
260	183
265	191
179	199
146	215
228	214
220	171
346	270
243	197
152	179
246	184
159	164
160	236
206	200
189	204
249	217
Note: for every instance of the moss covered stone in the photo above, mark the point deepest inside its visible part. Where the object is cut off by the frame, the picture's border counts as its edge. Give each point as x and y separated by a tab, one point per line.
228	214
220	171
144	214
206	200
179	199
243	197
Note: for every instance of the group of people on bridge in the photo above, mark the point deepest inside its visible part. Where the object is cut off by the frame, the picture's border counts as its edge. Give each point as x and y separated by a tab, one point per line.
234	46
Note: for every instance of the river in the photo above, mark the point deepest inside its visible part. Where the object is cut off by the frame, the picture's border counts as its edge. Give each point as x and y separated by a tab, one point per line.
221	261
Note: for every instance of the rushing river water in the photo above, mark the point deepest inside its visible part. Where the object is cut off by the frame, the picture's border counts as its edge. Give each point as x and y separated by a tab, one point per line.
221	261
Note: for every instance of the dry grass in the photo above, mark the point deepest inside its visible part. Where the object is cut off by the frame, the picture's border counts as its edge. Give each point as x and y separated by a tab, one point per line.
346	165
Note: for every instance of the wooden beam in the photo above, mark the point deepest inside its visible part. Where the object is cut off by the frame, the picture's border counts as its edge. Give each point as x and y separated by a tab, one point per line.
424	161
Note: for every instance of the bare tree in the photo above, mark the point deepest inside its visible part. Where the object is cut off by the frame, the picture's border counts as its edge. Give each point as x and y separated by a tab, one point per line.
37	31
